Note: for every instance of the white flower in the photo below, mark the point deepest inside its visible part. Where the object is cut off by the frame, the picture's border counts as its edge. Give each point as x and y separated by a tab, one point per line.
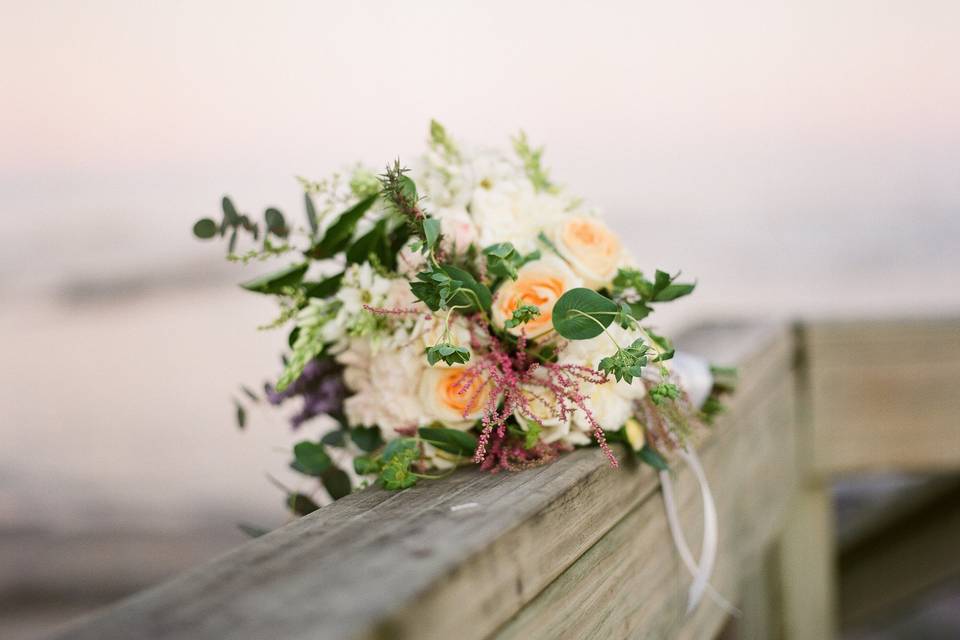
612	402
385	386
539	283
458	228
592	250
515	213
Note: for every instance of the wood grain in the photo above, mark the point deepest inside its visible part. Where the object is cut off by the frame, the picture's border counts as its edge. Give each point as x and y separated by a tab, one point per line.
404	565
884	395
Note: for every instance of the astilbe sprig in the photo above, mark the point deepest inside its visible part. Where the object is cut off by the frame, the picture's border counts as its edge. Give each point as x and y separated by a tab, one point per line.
506	381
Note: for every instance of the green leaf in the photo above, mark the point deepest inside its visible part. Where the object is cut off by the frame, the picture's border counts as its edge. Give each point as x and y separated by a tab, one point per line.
431	231
311	458
367	438
334	438
581	314
325	288
275	282
337	483
469	282
665	290
397	458
364	465
230	214
374	242
276	224
652	458
241	415
301	504
449	353
338	235
205	228
311	214
459	443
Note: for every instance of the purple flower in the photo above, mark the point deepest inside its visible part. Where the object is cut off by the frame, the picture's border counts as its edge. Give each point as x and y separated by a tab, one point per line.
321	387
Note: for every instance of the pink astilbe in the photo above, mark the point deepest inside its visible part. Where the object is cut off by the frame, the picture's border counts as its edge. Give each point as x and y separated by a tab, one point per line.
511	382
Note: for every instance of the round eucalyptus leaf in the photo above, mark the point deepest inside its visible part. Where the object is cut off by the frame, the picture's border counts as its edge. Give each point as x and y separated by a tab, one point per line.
581	314
205	228
276	224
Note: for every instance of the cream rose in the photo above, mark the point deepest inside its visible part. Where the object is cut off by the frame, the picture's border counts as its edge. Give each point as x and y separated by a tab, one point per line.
443	399
593	251
539	283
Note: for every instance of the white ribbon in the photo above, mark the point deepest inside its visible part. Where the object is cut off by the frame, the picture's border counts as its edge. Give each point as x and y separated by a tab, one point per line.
701	570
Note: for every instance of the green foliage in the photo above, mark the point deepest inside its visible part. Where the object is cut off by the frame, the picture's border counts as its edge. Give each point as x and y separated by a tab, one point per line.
365	465
336	482
531	159
364	183
449	353
442	141
367	438
664	391
521	315
205	228
631	284
334	438
627	363
308	344
532	435
664	346
323	289
448	286
652	458
276	282
301	504
276	223
431	232
241	415
395	472
337	237
460	443
311	214
310	458
581	314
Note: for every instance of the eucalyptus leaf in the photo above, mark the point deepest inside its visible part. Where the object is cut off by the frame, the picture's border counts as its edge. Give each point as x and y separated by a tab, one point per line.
581	314
205	228
311	214
431	230
325	288
301	504
311	458
276	223
367	438
230	214
336	482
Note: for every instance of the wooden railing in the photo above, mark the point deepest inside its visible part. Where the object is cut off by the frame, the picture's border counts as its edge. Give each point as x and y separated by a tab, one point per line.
575	549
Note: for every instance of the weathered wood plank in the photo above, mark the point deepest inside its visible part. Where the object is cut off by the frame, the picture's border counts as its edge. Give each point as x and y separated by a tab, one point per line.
403	565
631	583
884	395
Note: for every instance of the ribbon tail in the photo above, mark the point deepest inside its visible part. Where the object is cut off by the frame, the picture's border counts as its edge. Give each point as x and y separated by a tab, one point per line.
702	570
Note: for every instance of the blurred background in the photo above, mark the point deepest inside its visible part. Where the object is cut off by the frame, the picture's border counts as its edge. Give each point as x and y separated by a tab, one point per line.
797	159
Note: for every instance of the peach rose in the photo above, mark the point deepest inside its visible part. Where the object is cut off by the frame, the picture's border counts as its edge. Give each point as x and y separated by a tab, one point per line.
441	397
539	283
594	252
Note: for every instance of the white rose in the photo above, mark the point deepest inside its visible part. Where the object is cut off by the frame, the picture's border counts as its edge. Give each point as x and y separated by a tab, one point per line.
593	251
539	283
516	214
384	385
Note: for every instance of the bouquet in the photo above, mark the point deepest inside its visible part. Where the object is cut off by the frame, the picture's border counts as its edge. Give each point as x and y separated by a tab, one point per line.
468	310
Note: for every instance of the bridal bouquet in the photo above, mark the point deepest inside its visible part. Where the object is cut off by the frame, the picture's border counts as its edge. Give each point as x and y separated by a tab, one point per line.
466	311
